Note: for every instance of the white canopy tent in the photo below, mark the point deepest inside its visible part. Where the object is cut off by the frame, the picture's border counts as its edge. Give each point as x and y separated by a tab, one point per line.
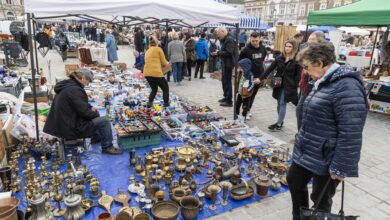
181	12
189	12
355	31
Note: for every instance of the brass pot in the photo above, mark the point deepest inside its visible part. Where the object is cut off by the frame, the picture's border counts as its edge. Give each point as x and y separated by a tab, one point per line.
190	207
263	183
165	210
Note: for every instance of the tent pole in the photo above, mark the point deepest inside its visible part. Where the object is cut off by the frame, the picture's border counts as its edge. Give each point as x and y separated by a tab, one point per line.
373	48
235	87
33	71
34	27
306	32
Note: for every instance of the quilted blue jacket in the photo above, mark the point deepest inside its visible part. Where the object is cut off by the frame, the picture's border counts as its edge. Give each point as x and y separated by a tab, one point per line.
334	114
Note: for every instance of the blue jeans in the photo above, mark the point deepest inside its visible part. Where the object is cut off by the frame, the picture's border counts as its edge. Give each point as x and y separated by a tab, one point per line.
282	105
103	129
177	69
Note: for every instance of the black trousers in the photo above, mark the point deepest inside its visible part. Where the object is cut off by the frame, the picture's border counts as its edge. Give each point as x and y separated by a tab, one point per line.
154	83
245	105
298	178
299	110
253	96
189	66
199	64
227	73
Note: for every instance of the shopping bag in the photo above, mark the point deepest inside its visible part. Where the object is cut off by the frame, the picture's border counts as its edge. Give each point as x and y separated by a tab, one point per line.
316	214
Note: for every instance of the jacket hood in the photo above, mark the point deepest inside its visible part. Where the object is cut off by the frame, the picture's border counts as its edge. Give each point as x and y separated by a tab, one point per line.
65	84
246	65
344	71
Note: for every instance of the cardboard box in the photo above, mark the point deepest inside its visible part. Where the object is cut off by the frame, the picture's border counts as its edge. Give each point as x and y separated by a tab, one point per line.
121	66
70	68
217	75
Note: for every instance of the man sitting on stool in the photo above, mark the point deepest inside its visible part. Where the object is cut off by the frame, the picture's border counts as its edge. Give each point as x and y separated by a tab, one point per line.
71	117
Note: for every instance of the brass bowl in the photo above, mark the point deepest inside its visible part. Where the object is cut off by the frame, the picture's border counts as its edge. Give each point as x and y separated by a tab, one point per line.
242	191
86	204
165	210
141	216
186	152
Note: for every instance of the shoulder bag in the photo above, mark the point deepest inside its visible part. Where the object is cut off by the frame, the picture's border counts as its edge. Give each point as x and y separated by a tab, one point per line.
316	214
278	80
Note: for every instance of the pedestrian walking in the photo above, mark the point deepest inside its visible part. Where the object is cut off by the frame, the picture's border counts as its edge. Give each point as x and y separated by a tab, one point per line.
287	77
202	52
256	52
111	46
177	57
189	44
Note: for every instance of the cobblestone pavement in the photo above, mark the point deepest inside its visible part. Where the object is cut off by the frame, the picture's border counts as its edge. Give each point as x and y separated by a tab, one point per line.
367	196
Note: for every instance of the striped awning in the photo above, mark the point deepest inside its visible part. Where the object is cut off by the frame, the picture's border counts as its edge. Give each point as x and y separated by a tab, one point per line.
251	23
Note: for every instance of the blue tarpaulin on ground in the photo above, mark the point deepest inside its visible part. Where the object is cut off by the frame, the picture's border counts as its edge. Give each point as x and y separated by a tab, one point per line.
113	173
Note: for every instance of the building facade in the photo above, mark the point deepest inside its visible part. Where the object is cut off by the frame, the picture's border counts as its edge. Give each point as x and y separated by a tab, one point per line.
285	12
11	9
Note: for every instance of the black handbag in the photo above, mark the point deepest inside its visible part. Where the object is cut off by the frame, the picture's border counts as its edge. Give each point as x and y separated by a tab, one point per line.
316	214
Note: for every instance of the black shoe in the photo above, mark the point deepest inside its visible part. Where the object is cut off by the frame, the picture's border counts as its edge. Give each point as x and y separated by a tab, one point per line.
195	77
112	151
222	100
189	79
275	127
226	104
202	77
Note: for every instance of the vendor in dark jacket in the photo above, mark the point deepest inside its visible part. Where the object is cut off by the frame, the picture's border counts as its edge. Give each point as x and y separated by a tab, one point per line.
227	55
327	147
256	52
71	117
289	70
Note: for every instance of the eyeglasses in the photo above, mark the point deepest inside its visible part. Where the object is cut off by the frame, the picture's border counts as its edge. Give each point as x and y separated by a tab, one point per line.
305	67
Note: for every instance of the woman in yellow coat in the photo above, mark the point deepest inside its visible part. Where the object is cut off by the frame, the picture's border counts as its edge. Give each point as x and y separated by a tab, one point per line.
154	62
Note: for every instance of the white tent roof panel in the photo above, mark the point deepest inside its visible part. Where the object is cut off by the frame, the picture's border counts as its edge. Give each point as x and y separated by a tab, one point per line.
189	11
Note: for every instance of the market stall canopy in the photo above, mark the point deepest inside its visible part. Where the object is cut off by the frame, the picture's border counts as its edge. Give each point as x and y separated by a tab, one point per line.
191	12
361	13
355	31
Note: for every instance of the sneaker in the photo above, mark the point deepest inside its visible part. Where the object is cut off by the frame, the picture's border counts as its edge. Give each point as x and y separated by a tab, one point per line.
248	117
275	127
226	104
222	100
112	151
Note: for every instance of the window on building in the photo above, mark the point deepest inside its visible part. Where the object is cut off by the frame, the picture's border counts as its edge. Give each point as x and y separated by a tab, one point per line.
323	6
311	8
9	2
292	9
302	11
282	8
337	4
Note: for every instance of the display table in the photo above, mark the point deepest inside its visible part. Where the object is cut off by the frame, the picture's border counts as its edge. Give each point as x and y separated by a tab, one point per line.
379	94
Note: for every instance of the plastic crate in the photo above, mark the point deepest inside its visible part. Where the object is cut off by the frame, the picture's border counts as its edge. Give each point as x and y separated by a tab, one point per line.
139	140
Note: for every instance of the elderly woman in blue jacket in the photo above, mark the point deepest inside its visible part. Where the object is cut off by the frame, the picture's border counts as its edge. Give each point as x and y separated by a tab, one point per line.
327	147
